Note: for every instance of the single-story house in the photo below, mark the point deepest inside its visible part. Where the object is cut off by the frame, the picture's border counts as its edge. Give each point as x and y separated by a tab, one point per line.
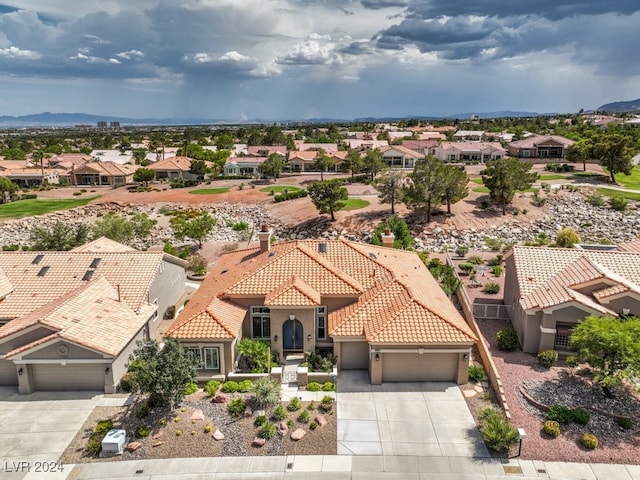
102	174
113	156
397	156
469	151
423	147
70	320
31	177
375	308
548	291
266	150
303	161
365	144
172	168
302	146
540	146
243	165
469	136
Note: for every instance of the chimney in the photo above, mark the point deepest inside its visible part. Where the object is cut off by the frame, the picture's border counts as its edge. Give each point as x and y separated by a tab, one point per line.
387	238
264	235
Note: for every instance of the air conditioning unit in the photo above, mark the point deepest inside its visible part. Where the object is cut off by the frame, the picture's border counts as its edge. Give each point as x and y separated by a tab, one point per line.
114	441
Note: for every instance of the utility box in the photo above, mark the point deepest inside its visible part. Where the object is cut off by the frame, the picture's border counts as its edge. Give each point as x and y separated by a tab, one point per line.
114	441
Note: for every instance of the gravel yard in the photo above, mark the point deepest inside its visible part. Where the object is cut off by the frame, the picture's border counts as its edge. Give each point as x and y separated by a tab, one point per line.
187	437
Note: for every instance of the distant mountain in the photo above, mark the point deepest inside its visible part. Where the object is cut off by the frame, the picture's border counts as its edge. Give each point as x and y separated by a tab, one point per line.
621	107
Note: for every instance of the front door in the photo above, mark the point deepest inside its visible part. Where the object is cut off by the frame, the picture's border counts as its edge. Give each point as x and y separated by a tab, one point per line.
292	335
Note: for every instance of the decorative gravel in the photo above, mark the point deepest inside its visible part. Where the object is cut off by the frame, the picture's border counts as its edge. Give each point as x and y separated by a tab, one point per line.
560	386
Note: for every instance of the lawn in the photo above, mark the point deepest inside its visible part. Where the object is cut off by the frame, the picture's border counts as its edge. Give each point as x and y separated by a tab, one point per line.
552	176
27	208
630	181
610	192
280	188
355	204
477	180
210	191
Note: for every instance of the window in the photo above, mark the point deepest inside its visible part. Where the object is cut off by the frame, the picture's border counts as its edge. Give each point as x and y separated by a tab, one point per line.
260	322
195	353
211	358
321	322
562	337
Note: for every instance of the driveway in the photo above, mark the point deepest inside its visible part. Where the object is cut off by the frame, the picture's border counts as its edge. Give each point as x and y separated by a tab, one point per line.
38	428
422	419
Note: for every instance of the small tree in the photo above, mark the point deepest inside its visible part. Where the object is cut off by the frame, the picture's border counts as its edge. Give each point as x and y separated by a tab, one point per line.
323	162
402	235
353	162
196	228
328	196
198	168
454	185
373	163
162	372
272	166
7	187
504	177
144	175
197	264
390	185
426	188
60	236
122	229
567	238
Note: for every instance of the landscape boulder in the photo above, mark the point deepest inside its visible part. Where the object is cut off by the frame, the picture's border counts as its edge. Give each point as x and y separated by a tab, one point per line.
298	434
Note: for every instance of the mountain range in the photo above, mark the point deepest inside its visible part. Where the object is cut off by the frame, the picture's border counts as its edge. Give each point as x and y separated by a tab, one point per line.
621	107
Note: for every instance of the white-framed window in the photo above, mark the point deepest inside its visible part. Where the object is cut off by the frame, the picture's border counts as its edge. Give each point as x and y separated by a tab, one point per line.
196	353
260	322
211	358
321	322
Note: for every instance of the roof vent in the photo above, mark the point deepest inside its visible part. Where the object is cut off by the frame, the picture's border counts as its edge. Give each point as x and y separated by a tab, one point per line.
95	262
272	253
372	255
322	247
87	275
38	259
43	271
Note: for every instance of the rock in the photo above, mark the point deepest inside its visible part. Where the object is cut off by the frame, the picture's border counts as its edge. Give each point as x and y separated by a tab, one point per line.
320	420
469	393
219	399
282	428
133	446
197	415
218	435
258	442
156	444
248	412
156	435
298	434
260	413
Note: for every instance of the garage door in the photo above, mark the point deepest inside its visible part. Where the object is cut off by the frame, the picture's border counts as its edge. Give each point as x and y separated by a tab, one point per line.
354	355
412	367
68	377
8	374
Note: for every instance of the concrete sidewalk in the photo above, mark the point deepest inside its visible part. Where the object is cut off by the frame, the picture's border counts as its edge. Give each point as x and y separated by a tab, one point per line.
344	467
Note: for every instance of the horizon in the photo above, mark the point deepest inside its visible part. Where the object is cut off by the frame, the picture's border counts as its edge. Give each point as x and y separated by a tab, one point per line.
293	59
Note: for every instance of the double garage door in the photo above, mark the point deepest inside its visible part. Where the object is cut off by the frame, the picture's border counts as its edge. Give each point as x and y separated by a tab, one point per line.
68	377
413	367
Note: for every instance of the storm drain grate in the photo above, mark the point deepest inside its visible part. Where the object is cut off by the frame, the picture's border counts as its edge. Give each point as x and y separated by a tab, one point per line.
512	469
138	472
541	470
289	465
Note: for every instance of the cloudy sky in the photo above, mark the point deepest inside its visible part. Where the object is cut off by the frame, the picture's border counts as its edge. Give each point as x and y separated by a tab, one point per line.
297	59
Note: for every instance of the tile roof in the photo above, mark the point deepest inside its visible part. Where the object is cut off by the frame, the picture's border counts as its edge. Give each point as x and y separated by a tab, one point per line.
553	276
172	163
535	140
34	286
103	244
395	298
403	150
90	316
5	285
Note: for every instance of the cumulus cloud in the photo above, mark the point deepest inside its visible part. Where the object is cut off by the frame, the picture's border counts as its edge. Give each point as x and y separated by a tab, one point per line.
129	54
310	52
15	52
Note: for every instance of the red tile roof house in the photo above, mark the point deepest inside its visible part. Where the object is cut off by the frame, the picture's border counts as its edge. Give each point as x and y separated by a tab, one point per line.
397	156
172	168
376	308
303	161
102	174
244	166
469	151
540	146
70	320
548	291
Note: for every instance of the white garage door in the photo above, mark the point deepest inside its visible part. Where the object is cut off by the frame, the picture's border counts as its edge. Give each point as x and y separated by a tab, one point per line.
354	355
412	367
68	377
8	373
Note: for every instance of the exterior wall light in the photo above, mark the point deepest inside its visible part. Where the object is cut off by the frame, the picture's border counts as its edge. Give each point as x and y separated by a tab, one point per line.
377	357
275	338
20	371
309	338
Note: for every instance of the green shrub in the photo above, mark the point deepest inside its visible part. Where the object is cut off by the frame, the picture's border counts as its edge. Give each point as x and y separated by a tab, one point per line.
10	248
580	416
230	387
236	407
487	412
548	358
328	387
245	386
551	428
103	426
476	373
279	413
94	444
497	260
497	270
143	431
559	414
208	428
625	423
462	250
507	339
589	440
313	425
267	431
467	267
212	387
475	259
294	405
125	383
291	423
491	288
567	238
572	361
240	226
304	416
498	433
143	411
595	200
311	406
618	203
192	387
266	391
260	420
314	387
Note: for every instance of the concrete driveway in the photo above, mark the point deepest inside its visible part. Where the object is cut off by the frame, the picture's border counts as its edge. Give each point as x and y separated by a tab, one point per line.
38	428
421	419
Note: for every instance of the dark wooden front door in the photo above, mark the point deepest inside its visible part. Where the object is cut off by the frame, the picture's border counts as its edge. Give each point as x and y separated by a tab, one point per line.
292	335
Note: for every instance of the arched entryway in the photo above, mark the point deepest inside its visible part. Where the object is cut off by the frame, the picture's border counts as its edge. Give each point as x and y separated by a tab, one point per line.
292	335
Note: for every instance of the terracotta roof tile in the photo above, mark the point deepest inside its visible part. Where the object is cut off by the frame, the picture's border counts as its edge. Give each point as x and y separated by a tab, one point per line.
5	285
219	320
295	292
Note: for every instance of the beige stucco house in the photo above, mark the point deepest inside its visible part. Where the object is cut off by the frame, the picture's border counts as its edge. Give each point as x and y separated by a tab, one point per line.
375	308
540	146
70	320
550	290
